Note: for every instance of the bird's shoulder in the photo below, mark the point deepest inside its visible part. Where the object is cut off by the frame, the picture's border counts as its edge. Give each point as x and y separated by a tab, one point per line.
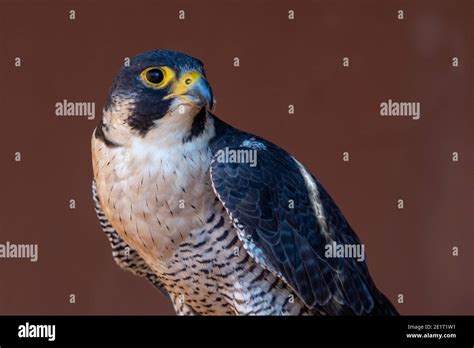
229	137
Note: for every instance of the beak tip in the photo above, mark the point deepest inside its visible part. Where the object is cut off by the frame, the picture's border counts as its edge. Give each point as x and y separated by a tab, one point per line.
198	93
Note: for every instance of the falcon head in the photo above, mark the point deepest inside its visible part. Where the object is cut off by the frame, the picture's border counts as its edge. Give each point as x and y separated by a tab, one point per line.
159	92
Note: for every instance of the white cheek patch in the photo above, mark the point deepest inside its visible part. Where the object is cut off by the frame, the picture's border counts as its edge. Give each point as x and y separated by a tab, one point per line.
121	104
115	117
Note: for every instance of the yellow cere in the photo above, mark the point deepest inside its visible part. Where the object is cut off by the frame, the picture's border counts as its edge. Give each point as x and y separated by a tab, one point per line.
185	82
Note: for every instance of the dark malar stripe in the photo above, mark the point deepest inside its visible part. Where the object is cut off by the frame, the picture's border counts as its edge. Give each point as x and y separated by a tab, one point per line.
143	115
199	123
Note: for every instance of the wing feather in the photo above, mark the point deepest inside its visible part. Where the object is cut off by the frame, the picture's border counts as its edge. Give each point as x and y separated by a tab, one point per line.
290	241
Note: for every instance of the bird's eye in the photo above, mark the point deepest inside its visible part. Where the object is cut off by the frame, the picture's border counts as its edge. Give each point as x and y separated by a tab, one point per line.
157	77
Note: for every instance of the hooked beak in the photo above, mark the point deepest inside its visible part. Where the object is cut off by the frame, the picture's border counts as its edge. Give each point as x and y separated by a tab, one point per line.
193	88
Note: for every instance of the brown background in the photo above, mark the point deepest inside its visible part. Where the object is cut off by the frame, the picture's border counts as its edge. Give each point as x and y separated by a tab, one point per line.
282	62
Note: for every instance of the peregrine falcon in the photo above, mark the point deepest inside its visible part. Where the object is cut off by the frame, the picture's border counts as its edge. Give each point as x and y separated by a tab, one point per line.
220	220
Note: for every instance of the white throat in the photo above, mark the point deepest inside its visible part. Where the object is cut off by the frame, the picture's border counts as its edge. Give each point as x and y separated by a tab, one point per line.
150	179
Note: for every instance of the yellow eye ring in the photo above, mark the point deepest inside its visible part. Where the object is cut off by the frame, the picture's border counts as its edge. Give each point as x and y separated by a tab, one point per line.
157	76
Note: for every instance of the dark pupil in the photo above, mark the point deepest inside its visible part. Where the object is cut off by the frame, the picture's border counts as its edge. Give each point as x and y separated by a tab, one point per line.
155	75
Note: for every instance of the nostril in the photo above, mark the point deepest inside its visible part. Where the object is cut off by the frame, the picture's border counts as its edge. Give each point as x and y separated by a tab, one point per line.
188	81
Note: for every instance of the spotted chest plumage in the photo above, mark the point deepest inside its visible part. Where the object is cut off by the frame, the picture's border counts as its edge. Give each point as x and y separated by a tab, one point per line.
153	197
165	209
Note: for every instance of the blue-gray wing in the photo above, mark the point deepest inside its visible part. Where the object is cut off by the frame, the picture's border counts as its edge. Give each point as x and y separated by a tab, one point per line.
286	220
